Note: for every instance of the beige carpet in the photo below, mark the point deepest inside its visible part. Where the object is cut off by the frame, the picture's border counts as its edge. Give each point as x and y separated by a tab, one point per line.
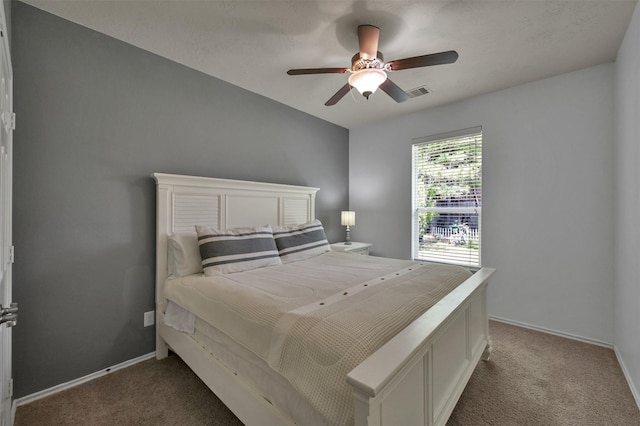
536	378
532	379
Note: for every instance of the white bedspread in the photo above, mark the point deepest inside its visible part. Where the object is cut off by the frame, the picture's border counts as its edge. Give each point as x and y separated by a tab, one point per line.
313	321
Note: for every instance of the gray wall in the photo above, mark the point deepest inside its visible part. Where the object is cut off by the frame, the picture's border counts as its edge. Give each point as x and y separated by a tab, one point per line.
627	290
548	184
96	118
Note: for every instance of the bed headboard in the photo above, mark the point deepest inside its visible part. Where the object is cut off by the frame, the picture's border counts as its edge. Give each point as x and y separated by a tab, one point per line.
185	201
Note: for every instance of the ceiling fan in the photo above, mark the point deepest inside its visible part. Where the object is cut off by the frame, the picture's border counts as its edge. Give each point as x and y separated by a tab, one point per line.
369	71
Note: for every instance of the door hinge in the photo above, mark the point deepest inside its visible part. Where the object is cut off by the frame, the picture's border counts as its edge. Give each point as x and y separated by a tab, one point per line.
12	256
10	390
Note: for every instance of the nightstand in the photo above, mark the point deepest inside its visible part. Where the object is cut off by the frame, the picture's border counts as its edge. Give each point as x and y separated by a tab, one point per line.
355	248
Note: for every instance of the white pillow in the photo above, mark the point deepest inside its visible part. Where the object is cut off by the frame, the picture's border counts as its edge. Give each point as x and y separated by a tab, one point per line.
300	242
183	255
236	250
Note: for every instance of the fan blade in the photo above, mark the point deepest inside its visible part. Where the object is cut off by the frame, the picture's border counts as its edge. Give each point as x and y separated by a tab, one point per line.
368	37
424	61
339	95
318	71
393	90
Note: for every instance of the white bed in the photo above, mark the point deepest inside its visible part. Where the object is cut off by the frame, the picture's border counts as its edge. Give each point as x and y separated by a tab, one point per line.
414	378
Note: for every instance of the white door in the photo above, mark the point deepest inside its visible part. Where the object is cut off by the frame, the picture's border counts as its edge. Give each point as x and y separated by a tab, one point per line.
7	311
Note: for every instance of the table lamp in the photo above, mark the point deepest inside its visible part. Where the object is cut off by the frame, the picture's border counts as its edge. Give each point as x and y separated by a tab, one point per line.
348	218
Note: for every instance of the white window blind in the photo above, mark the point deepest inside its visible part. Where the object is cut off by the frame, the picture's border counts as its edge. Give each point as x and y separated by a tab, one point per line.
447	197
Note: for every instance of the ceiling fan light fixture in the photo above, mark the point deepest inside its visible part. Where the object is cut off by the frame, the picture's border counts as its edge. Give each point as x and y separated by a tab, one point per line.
367	80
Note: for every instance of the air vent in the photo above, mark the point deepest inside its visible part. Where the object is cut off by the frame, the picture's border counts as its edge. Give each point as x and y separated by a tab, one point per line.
418	91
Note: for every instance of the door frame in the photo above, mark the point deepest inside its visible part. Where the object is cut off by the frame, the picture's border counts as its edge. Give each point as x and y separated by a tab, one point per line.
7	123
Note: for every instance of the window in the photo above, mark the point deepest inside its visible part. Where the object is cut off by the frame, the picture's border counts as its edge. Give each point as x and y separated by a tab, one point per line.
447	197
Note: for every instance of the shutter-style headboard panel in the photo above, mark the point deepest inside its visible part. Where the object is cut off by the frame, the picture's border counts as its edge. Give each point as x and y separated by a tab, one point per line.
295	209
185	201
190	210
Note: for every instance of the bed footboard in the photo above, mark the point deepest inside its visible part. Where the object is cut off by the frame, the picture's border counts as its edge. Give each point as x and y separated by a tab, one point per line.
418	376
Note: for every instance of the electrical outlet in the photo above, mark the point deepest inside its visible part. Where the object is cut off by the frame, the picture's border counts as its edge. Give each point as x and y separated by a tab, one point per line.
149	318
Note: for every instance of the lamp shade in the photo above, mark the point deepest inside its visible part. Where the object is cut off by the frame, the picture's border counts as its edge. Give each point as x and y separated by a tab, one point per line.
348	218
367	80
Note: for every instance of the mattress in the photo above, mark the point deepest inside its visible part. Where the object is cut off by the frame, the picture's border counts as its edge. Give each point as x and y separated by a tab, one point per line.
313	321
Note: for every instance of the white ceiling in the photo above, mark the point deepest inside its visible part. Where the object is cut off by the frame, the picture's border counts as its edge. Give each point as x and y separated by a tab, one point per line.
251	44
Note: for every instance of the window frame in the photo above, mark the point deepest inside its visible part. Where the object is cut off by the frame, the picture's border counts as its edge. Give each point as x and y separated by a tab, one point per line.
416	211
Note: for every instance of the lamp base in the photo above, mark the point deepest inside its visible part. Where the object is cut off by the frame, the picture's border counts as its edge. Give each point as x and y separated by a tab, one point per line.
347	241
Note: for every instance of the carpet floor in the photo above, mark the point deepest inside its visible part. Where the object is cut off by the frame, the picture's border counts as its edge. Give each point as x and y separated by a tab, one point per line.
532	379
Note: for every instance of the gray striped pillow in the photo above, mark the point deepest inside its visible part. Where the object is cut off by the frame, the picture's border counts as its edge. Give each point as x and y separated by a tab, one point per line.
300	242
236	250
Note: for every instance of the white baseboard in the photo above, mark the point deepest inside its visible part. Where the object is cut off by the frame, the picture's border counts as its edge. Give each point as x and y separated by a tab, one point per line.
64	386
634	390
554	332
